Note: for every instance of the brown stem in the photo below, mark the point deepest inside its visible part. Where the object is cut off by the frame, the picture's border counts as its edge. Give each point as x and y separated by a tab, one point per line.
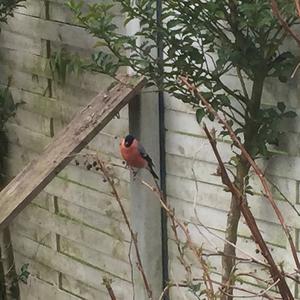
229	260
249	159
132	234
297	3
262	294
283	23
196	251
251	223
107	283
293	206
9	285
181	257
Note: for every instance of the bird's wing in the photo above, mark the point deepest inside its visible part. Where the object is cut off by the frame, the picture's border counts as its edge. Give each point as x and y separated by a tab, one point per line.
144	154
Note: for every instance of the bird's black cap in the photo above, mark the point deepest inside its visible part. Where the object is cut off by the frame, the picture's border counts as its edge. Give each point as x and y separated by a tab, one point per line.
129	140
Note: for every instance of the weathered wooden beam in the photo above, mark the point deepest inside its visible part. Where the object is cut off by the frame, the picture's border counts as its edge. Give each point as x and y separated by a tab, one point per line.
85	125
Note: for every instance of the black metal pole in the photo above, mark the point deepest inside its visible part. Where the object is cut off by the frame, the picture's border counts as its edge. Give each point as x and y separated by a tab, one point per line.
162	150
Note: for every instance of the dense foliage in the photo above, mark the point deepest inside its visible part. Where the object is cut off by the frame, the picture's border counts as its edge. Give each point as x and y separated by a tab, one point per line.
7	106
7	7
226	48
206	41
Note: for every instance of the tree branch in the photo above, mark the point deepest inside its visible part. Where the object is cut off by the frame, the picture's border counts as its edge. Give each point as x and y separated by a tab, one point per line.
255	167
133	235
249	218
107	283
283	23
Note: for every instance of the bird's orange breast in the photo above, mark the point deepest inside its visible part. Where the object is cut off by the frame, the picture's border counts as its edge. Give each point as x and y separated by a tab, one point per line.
132	155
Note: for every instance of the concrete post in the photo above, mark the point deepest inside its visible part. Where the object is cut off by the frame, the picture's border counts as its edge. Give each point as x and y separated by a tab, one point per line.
145	207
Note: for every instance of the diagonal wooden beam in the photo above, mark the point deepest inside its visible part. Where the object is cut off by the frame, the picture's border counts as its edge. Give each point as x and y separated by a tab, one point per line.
80	131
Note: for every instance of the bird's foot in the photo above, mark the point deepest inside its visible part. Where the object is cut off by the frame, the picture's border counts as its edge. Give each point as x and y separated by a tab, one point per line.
134	174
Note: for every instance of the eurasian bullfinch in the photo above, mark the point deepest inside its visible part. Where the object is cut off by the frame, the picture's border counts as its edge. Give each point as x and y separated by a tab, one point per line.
135	154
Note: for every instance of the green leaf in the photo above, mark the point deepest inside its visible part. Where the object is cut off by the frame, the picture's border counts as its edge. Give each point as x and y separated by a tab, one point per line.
100	43
207	95
211	117
281	106
290	114
224	100
207	55
200	113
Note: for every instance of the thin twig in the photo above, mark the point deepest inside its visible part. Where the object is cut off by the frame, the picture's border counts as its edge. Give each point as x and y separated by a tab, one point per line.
295	70
178	286
247	156
249	218
297	3
252	258
283	23
133	235
107	282
131	269
262	294
240	76
284	197
181	257
206	276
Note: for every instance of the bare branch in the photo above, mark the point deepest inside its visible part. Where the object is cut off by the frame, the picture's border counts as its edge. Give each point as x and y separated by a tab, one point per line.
297	3
107	282
284	197
133	235
249	218
170	213
247	156
283	23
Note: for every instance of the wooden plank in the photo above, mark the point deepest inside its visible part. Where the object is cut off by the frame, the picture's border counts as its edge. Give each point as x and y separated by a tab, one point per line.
203	171
214	197
195	147
87	198
86	217
36	269
63	109
81	289
12	40
54	31
85	125
35	64
81	271
38	289
34	8
95	258
71	229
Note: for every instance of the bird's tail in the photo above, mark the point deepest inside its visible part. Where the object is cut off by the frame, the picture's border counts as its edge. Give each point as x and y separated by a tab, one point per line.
150	168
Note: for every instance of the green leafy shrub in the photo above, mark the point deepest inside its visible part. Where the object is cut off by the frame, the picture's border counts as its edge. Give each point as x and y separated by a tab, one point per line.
207	41
210	43
7	7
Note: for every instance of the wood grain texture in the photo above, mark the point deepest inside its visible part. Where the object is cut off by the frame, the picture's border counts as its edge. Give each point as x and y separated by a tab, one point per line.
85	125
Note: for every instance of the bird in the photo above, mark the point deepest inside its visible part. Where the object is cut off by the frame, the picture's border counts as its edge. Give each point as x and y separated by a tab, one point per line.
135	154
